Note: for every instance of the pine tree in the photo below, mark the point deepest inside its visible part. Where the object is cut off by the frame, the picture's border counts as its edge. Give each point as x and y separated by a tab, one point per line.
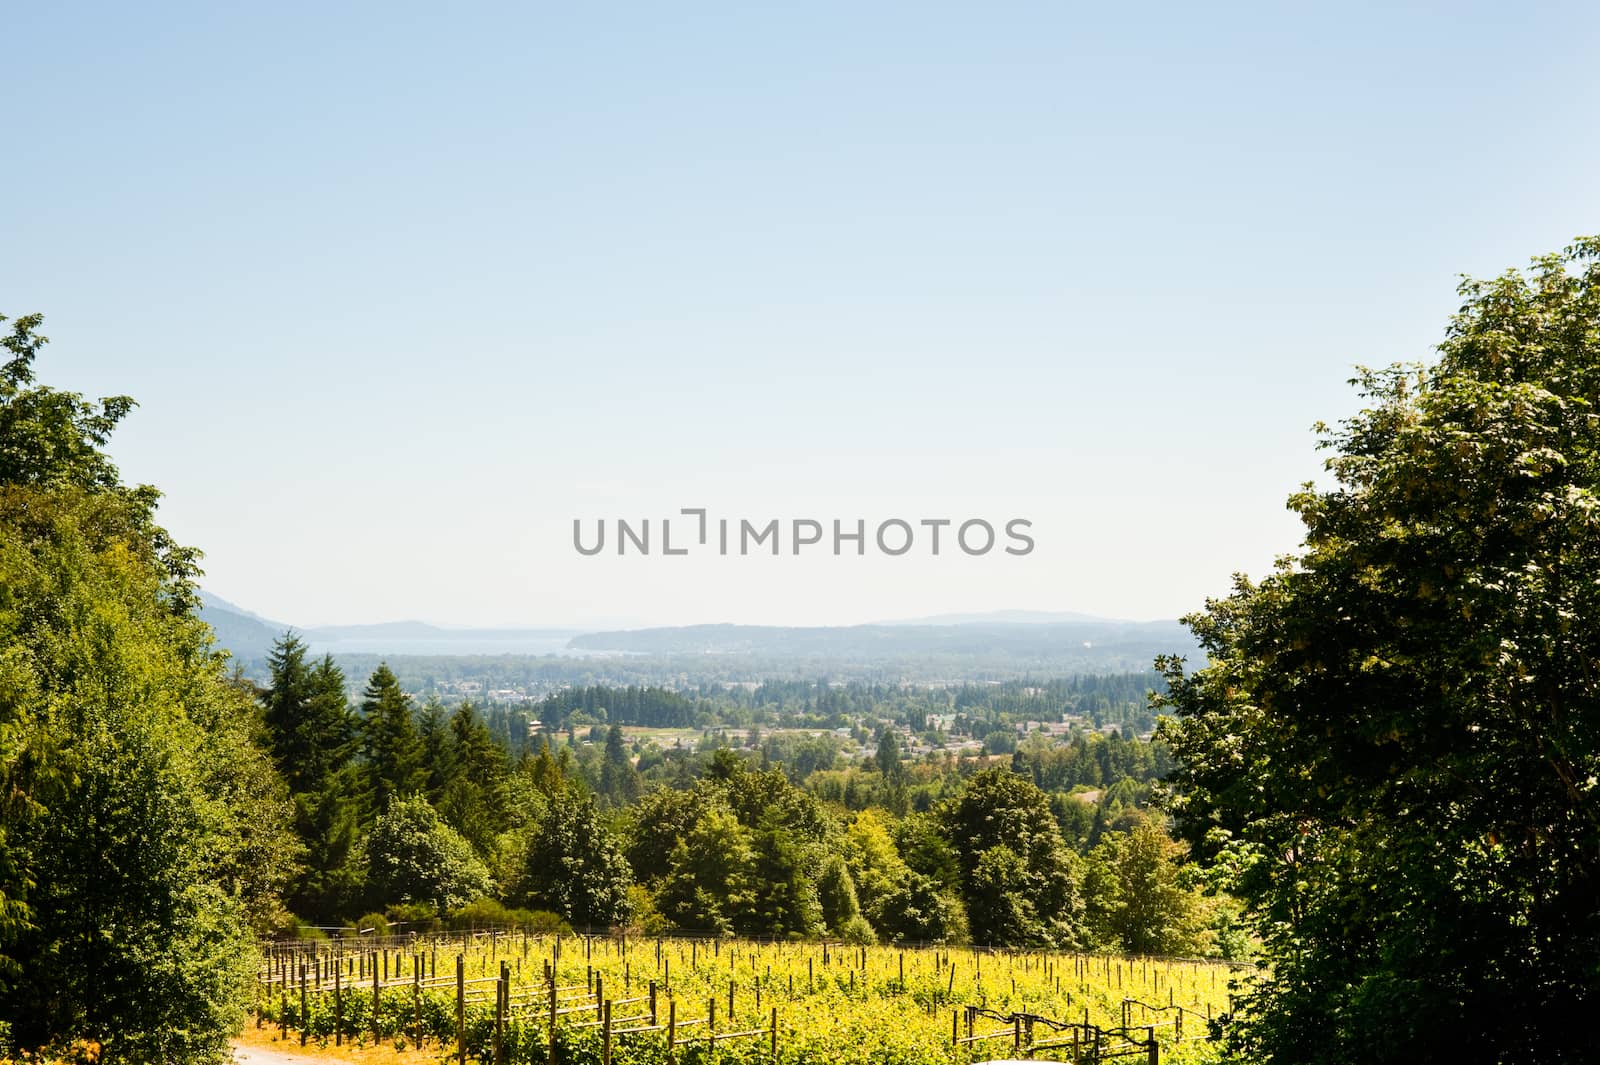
619	780
326	732
391	751
285	700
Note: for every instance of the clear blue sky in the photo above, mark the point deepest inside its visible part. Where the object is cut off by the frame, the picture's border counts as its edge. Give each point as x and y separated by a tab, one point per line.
403	289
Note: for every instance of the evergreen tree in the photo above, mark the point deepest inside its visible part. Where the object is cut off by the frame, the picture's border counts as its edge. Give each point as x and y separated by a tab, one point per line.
326	732
836	892
619	780
391	751
433	732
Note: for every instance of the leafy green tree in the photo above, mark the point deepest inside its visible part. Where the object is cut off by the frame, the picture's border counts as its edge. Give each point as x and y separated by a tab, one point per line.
887	759
140	824
326	821
327	731
1141	904
1393	746
50	439
916	910
285	699
872	859
433	733
576	867
657	822
1020	882
711	881
414	857
311	732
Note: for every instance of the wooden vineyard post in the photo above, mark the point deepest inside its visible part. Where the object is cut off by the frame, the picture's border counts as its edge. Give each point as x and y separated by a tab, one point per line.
653	1021
1016	1033
552	1058
955	1029
461	1009
1155	1048
303	1024
416	994
377	999
672	1026
500	1014
338	1005
711	1024
774	1033
605	1045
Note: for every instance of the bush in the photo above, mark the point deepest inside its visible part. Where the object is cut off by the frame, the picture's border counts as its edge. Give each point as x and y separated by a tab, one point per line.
413	917
487	913
374	924
856	930
292	927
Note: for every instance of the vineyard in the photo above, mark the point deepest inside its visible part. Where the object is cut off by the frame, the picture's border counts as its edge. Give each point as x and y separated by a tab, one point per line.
499	998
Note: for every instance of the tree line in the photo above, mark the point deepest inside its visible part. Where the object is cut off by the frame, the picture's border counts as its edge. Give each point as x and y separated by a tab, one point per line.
409	813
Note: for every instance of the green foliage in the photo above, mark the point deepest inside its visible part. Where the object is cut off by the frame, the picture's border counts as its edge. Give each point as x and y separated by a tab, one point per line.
413	856
1393	747
836	891
1018	878
916	911
371	924
311	734
710	884
1137	900
140	827
487	913
391	751
619	780
575	866
52	440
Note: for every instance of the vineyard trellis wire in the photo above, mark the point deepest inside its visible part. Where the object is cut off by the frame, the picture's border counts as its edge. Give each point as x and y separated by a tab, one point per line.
510	997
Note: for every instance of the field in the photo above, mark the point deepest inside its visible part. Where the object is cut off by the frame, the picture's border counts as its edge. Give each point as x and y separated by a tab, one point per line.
491	996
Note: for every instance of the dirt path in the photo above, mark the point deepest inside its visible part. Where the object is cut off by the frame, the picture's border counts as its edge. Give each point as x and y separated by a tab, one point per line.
259	1055
259	1046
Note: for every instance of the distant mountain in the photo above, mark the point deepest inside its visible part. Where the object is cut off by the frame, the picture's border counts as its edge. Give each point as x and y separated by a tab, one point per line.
1009	617
1079	645
1008	642
421	638
248	636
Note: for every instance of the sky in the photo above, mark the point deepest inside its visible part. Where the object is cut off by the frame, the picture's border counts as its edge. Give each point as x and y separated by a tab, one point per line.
404	290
